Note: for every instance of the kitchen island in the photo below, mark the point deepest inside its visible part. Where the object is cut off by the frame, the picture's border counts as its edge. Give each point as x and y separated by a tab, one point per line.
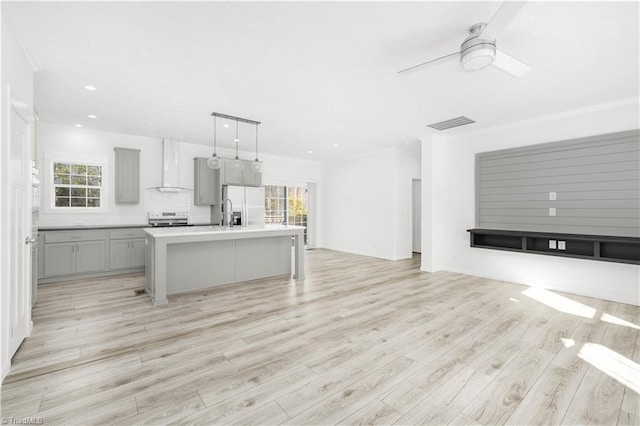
192	258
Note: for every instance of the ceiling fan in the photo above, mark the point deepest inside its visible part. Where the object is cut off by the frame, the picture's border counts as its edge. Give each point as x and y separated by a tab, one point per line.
479	50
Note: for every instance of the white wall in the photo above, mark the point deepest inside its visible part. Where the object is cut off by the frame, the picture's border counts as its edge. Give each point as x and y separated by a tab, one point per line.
367	202
17	72
67	140
449	167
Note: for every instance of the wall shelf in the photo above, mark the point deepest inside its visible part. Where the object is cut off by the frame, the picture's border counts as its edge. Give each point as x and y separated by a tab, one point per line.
592	247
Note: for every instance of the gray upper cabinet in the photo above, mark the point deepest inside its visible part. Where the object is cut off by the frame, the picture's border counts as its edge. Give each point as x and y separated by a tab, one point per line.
250	177
232	173
206	184
127	176
240	176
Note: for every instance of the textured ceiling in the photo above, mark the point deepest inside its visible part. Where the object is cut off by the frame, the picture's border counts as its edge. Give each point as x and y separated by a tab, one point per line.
316	74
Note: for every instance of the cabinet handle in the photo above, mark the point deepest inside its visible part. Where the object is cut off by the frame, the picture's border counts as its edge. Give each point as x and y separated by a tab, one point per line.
75	238
73	248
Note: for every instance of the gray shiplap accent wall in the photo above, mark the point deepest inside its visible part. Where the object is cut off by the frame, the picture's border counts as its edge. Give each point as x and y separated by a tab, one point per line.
596	180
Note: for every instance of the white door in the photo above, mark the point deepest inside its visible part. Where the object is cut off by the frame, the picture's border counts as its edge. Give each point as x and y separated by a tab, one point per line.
417	214
19	232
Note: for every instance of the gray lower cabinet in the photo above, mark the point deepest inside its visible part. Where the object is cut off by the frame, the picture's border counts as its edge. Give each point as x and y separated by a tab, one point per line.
127	253
206	184
59	259
127	248
73	258
65	255
90	256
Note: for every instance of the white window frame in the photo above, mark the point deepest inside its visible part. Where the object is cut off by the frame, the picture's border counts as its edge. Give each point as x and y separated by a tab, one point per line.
74	158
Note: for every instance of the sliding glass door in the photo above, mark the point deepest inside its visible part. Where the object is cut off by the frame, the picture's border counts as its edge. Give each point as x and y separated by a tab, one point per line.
287	205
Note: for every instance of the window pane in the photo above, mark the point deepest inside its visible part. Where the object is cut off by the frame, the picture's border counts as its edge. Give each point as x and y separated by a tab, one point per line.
61	168
78	202
62	192
78	169
78	192
62	201
78	180
61	179
77	185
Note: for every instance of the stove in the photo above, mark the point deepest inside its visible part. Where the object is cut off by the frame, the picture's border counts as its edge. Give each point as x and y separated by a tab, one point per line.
169	219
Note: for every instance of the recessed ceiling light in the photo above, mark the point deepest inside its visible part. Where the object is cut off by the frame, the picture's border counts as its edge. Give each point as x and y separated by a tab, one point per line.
309	152
225	125
88	87
335	145
78	125
92	116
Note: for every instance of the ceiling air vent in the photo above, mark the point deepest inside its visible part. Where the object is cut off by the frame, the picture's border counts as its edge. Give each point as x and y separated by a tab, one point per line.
448	124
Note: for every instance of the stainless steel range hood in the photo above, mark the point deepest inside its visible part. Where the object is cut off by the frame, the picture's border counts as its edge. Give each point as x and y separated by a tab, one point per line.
170	167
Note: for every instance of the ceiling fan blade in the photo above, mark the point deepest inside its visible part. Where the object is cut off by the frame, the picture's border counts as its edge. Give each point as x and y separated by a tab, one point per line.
424	64
509	64
507	11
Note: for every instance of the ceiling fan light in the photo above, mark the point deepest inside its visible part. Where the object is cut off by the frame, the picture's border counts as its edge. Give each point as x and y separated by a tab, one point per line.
478	58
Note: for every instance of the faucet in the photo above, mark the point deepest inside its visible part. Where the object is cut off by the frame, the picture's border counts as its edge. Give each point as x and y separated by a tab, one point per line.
224	219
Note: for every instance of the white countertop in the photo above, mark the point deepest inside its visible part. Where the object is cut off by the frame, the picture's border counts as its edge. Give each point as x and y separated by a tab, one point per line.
187	231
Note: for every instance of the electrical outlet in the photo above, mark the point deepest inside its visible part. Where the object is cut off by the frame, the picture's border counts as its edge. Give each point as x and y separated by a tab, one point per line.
562	245
552	196
552	244
552	211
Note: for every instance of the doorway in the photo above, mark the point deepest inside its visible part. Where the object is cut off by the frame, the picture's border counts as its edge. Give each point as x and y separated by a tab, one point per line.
287	205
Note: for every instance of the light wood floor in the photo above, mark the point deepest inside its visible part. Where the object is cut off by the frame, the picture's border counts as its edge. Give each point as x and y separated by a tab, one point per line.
360	341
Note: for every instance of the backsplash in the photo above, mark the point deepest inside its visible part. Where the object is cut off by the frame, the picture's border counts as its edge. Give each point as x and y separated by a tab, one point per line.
157	201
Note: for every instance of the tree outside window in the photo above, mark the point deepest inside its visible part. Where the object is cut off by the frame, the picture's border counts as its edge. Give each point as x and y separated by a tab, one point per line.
77	185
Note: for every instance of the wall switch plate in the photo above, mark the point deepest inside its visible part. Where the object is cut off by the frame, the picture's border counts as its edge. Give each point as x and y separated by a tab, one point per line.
562	245
552	211
552	244
552	196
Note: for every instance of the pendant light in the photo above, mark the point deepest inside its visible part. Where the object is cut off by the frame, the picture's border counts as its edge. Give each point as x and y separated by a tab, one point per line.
214	161
256	166
237	163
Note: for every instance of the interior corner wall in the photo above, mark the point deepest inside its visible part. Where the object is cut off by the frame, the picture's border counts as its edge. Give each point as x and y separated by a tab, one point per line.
427	254
366	203
452	163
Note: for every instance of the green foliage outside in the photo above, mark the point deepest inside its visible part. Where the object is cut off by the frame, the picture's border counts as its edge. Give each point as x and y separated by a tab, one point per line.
297	207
